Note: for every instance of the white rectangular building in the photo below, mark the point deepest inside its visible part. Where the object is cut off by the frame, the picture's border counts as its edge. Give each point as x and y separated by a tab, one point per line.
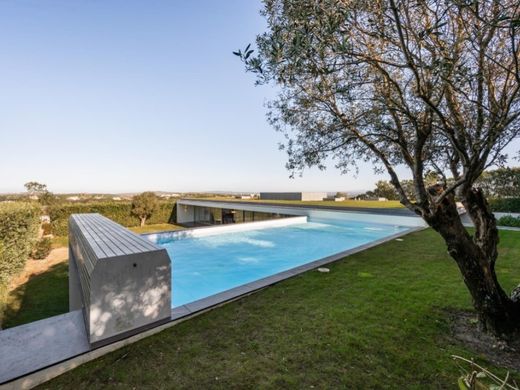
303	196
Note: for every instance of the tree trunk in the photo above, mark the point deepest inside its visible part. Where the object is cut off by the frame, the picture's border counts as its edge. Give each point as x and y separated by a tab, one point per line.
143	221
476	256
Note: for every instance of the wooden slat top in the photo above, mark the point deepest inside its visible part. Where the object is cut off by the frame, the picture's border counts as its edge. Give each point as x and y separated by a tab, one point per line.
109	239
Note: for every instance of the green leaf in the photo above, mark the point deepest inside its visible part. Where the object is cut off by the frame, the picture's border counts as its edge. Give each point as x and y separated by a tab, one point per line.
462	384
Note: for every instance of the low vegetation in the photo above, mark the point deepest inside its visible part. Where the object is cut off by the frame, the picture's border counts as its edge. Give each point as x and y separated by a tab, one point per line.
120	212
19	223
42	249
505	205
378	319
509	220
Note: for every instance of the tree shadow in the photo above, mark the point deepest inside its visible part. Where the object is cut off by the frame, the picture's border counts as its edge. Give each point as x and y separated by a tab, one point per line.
43	295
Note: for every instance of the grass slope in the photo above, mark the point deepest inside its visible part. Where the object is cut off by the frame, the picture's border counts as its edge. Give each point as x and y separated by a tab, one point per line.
42	296
377	320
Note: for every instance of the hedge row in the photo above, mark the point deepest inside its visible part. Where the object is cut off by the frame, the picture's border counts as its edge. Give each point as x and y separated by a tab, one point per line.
119	212
19	224
509	220
507	205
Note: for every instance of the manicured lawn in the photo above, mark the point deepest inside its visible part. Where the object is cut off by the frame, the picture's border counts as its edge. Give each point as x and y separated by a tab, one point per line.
44	295
160	227
372	204
377	320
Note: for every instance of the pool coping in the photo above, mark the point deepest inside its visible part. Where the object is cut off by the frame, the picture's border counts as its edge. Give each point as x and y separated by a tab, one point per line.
179	314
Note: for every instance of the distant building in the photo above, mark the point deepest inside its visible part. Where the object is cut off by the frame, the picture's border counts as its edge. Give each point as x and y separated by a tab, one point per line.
303	196
245	197
168	196
73	198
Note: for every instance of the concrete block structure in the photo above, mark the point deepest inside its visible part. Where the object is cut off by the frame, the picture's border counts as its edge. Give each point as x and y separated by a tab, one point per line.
302	196
120	280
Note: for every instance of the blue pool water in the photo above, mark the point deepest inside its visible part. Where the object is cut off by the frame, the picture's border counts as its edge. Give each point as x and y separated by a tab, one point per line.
208	265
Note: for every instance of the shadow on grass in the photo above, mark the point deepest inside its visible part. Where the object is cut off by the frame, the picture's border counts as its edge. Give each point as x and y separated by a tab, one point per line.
43	295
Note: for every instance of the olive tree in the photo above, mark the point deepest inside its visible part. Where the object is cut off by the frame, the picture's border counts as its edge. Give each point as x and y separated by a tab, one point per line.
144	205
425	86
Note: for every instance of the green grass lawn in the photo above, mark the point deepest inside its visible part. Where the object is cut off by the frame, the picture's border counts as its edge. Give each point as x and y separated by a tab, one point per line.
42	296
160	227
377	320
371	204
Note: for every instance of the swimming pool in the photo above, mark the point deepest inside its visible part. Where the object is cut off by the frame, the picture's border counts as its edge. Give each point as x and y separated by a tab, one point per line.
207	265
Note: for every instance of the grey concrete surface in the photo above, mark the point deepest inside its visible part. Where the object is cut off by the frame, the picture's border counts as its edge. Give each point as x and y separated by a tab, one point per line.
124	279
30	347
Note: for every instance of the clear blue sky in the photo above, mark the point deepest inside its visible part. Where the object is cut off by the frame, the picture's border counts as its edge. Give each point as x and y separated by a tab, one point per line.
117	96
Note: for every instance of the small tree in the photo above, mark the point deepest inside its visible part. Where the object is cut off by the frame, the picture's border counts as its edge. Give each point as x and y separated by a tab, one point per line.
414	86
144	205
35	189
385	190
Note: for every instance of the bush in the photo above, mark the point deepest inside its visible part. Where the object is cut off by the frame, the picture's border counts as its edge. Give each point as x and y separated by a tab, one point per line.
120	212
42	249
506	205
19	224
509	220
47	229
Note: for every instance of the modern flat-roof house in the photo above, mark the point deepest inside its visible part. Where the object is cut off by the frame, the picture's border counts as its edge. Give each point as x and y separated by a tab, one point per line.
293	196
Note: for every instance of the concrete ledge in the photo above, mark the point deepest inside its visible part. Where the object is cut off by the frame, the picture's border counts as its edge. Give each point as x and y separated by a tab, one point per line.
402	217
34	346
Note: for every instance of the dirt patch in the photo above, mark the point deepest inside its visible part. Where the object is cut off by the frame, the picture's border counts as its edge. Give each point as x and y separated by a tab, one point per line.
465	329
36	267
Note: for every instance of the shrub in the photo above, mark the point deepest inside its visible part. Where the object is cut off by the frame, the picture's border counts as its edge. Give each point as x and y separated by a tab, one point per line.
120	212
19	224
506	205
47	229
509	220
42	249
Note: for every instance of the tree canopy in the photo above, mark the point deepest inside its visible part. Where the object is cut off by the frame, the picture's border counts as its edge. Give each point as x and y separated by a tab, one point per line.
429	87
144	205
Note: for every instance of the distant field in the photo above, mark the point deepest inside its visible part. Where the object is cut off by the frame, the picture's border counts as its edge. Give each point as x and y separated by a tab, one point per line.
371	204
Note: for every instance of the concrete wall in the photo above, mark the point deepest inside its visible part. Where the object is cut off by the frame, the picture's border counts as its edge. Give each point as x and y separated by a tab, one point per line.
305	196
121	280
308	196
